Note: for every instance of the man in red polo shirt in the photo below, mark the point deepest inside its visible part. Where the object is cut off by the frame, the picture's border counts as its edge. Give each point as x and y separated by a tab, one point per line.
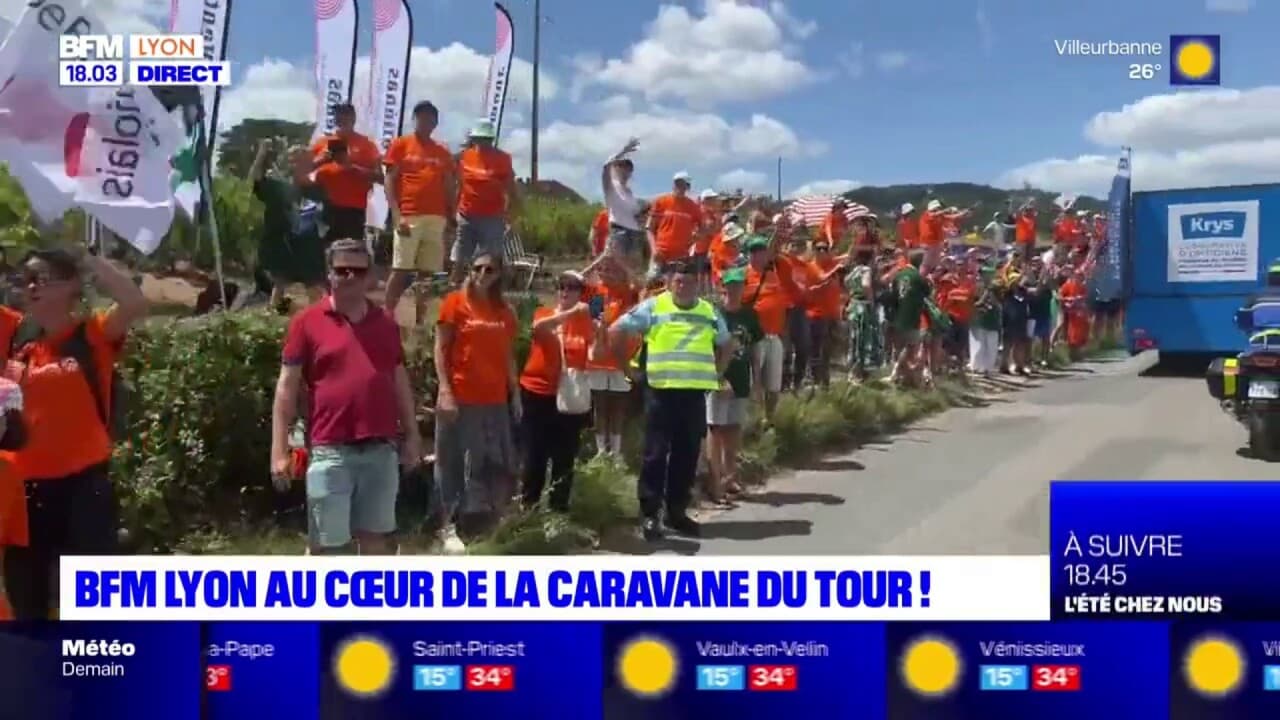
346	353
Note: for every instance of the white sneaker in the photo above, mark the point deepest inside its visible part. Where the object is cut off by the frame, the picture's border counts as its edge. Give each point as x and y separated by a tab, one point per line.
450	543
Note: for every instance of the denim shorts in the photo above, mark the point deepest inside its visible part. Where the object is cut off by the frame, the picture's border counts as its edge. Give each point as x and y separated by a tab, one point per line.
479	236
351	488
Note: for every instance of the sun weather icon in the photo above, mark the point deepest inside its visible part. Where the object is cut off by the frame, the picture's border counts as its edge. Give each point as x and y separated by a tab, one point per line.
647	667
364	666
1214	666
931	666
1194	60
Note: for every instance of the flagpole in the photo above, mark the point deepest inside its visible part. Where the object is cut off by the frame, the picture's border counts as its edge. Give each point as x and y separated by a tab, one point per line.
537	61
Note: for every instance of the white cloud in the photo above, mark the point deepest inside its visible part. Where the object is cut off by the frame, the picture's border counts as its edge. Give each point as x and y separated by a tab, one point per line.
733	52
892	60
450	77
741	179
1190	119
1229	6
800	28
1224	137
824	187
667	138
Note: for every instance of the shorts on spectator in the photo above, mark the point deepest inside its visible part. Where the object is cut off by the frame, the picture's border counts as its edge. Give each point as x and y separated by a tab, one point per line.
344	223
614	381
1040	328
351	488
479	236
768	357
422	249
624	241
726	410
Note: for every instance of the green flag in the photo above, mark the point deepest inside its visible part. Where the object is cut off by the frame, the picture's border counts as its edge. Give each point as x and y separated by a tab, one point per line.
184	178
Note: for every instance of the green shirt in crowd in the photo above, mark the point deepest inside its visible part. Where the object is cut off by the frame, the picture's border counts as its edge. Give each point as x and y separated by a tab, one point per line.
744	325
289	246
911	290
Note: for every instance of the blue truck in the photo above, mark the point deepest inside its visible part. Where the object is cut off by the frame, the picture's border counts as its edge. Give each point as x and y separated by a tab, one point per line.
1193	258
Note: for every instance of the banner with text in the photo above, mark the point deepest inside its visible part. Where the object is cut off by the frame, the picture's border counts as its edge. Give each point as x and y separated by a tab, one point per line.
383	117
337	33
498	81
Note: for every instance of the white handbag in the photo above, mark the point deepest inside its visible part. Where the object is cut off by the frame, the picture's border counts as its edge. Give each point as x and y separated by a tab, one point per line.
573	396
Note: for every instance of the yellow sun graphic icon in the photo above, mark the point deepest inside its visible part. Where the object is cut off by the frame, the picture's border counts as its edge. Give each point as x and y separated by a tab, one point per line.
931	666
1195	60
647	667
364	666
1214	666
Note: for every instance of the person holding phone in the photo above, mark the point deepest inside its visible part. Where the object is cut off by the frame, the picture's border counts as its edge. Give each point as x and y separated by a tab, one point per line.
347	166
562	334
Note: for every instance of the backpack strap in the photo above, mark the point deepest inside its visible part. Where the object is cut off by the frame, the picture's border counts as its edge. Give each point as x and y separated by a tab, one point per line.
78	347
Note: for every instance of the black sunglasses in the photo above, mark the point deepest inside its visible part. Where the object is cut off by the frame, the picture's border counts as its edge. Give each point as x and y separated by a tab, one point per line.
484	269
349	271
821	248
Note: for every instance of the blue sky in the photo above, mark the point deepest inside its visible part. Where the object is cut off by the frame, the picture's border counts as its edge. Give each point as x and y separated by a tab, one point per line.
867	91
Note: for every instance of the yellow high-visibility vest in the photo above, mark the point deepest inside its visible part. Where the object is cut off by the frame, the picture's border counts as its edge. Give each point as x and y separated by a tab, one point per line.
680	347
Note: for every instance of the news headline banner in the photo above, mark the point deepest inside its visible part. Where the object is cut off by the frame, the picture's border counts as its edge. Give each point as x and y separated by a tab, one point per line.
154	60
554	588
1165	550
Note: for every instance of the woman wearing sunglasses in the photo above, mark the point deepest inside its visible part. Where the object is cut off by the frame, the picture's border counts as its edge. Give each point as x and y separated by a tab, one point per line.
475	365
554	378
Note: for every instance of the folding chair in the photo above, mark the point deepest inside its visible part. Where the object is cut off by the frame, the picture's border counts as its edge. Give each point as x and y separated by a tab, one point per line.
517	257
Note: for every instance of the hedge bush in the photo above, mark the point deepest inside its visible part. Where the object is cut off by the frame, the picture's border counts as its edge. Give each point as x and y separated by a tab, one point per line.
194	460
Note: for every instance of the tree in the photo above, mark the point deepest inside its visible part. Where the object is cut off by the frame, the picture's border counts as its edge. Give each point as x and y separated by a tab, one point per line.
240	143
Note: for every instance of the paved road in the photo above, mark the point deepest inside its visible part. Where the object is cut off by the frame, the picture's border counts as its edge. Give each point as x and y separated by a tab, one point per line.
975	481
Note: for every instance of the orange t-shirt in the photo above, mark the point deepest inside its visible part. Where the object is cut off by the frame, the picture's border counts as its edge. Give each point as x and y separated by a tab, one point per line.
712	226
347	187
773	292
834	227
931	229
825	302
599	232
908	232
1025	229
483	339
676	220
422	168
958	299
724	255
485	175
541	375
58	404
1067	230
617	301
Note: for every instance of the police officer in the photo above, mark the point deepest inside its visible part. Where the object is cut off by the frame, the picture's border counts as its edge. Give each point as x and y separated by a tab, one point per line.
1261	311
687	348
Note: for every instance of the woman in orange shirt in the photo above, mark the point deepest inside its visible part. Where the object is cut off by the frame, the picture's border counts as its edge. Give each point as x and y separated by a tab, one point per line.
823	307
610	388
1071	297
13	498
558	355
479	393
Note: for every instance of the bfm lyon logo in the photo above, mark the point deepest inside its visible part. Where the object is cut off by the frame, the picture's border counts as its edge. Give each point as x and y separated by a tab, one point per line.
1213	225
113	140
